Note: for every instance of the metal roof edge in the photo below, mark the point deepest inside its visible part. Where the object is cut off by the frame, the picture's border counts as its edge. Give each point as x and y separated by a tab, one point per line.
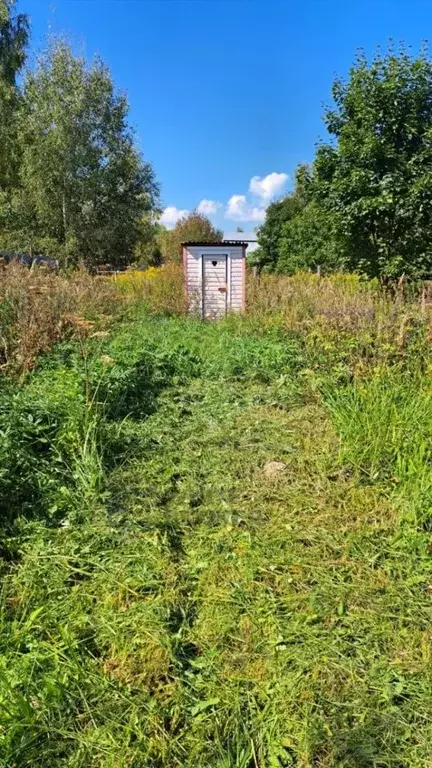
216	243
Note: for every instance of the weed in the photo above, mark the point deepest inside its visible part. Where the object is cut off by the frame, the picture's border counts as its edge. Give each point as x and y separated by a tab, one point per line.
161	289
38	309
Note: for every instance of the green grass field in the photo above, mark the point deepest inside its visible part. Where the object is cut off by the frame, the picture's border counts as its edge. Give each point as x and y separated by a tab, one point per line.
170	598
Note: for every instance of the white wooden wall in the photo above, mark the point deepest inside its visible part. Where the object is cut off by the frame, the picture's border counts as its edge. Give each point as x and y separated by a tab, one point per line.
192	264
238	286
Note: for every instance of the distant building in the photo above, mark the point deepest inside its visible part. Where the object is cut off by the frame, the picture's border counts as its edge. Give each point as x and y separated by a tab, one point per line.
243	237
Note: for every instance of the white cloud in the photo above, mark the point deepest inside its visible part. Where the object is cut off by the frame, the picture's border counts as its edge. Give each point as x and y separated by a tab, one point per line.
268	186
238	209
171	215
208	207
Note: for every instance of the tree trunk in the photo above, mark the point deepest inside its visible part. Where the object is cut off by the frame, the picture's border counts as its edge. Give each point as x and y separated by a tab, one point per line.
64	219
65	229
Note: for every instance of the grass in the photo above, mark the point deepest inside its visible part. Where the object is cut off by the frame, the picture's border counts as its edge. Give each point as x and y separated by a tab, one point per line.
386	424
169	596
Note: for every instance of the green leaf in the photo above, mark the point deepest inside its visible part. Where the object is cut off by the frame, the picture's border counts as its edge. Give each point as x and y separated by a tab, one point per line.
203	705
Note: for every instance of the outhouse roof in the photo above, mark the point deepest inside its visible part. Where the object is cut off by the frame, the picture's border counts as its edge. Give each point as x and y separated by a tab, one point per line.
216	243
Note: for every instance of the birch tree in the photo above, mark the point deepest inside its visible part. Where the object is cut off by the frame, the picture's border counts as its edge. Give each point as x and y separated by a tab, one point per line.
83	183
13	44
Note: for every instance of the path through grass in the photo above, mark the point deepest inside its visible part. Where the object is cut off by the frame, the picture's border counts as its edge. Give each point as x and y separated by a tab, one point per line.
212	610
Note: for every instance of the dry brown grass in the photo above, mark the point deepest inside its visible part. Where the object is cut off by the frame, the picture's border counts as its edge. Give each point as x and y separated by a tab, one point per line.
342	301
337	307
38	308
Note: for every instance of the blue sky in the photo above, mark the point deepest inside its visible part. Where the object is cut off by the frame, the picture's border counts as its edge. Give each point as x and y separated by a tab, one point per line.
226	96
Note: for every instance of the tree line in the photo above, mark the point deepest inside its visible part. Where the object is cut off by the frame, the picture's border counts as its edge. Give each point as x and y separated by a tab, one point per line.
365	203
72	183
74	186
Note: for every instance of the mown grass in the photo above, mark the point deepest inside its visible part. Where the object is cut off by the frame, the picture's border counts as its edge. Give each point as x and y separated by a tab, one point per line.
169	596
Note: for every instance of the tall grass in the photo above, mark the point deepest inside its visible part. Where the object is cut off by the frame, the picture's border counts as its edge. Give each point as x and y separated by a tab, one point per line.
39	308
338	308
385	424
161	289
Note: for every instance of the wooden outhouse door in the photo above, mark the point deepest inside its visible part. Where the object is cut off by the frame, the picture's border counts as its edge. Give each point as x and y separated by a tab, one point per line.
215	285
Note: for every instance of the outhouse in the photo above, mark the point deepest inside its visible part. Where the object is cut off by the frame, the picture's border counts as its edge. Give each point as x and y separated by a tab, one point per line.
215	277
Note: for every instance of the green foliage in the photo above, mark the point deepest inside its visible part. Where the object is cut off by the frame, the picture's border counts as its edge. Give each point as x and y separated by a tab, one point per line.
73	185
297	233
376	178
13	44
278	214
46	433
82	182
308	242
148	250
365	205
193	226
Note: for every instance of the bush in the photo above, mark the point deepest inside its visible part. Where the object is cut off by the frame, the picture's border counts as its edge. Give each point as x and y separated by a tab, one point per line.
308	242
